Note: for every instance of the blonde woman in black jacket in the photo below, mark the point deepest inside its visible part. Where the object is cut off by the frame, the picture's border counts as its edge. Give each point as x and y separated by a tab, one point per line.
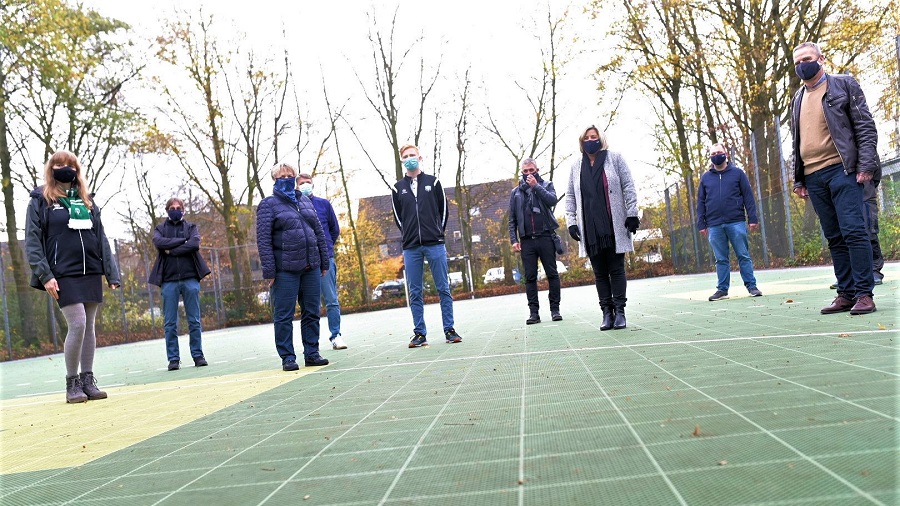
69	253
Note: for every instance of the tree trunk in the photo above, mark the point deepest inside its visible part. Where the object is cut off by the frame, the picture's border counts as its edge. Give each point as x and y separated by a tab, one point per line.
20	271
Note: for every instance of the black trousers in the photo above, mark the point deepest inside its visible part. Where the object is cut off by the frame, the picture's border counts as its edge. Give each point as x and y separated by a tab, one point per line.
870	211
532	249
609	276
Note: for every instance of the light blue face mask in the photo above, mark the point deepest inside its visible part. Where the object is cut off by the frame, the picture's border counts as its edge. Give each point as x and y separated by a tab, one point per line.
411	164
306	189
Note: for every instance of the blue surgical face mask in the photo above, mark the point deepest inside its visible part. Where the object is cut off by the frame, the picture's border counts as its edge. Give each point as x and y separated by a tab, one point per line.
592	146
411	164
806	70
306	189
175	214
285	184
718	159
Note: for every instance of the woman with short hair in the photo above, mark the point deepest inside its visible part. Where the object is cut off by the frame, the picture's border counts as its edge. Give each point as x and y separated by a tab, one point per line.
294	256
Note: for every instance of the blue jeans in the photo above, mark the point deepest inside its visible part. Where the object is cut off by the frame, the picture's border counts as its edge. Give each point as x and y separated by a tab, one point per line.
332	306
736	234
414	261
838	200
289	289
189	290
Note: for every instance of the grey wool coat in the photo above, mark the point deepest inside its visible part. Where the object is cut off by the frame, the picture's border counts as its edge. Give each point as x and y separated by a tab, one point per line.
622	200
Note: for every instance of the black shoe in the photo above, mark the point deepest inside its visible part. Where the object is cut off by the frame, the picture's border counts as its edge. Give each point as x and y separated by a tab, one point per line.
619	322
290	365
200	361
315	360
754	292
878	280
418	341
452	336
608	317
534	318
719	295
555	316
174	365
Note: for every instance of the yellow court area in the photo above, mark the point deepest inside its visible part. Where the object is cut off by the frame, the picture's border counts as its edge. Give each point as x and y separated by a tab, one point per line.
43	432
737	290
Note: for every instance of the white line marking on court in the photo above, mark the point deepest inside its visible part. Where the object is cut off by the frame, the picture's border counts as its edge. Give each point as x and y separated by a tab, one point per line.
684	313
772	435
133	372
428	429
718	310
51	381
631	429
22	384
221	361
831	359
524	387
249	358
105	375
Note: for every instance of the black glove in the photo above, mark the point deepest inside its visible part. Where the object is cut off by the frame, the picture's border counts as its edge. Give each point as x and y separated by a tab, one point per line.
632	223
574	233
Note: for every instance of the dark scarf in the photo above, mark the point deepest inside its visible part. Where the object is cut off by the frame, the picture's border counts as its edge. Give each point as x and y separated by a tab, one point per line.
286	191
598	230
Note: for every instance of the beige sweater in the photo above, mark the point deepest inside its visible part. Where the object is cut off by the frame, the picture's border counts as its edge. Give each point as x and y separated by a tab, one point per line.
817	149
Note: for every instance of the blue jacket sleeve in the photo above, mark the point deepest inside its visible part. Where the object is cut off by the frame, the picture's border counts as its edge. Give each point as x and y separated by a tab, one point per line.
264	220
334	228
749	202
701	206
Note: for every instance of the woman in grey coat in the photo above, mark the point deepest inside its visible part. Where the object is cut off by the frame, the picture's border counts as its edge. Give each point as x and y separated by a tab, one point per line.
601	213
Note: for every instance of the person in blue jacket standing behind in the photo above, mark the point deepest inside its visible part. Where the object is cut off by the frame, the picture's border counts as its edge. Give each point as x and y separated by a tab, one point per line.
332	230
724	204
293	253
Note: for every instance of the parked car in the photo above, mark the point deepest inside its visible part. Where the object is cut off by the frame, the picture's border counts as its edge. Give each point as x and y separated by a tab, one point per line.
560	269
495	274
390	288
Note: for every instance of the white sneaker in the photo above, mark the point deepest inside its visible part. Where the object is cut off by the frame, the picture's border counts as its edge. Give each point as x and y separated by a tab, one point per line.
338	343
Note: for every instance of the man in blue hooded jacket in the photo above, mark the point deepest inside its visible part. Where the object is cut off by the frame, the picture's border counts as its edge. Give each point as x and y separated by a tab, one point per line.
724	203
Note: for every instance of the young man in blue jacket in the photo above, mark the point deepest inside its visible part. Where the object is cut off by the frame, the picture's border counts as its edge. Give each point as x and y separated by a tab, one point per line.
420	211
332	230
724	203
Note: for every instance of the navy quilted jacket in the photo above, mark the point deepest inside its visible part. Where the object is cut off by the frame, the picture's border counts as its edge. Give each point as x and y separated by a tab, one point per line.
289	237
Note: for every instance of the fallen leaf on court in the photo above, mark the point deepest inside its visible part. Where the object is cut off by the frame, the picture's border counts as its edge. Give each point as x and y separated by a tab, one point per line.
790	301
696	430
881	326
267	468
306	497
521	482
843	334
723	462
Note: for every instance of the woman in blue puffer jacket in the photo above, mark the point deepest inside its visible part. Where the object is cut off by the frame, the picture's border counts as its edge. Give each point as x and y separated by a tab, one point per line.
294	255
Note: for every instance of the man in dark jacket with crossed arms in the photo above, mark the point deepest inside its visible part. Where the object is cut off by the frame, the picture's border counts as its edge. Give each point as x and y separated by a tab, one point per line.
178	271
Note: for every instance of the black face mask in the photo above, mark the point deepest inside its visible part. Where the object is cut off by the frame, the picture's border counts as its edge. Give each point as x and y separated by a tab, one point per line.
65	174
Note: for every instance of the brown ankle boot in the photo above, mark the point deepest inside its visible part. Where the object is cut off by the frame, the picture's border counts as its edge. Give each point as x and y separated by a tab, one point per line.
839	305
89	385
864	305
74	393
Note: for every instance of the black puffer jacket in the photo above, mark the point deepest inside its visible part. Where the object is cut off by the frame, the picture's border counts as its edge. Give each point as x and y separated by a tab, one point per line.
289	236
56	251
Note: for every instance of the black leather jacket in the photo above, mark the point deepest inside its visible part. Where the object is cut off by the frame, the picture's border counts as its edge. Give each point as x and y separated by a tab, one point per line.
850	124
544	196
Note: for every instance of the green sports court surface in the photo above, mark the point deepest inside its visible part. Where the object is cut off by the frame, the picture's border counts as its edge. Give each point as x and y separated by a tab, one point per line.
746	401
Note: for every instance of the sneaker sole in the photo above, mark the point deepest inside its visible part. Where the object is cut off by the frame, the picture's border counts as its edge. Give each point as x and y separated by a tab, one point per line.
835	311
424	345
452	341
720	298
863	312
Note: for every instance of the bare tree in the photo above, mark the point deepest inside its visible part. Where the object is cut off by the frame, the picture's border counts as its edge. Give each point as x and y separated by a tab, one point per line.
387	72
